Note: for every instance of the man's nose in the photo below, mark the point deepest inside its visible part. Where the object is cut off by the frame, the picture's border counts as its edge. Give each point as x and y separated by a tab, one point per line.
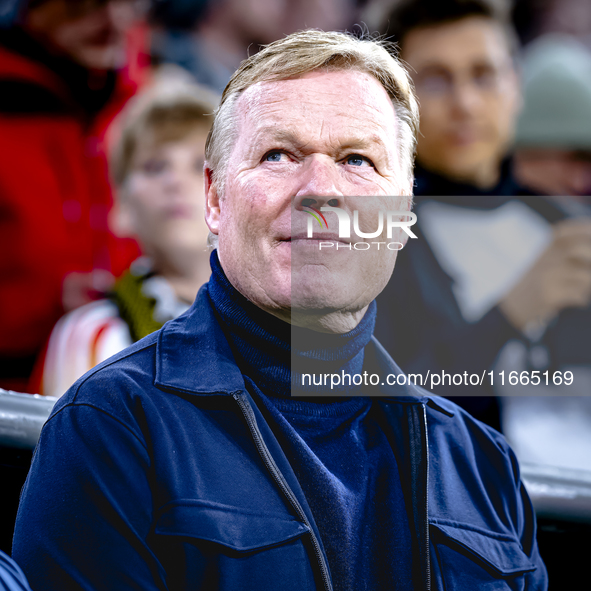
321	183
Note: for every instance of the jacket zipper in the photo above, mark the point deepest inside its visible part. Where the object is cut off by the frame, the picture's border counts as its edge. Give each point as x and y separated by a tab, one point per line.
264	452
427	541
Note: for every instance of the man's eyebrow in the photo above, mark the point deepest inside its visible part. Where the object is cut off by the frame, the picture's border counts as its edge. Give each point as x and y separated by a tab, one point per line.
372	143
361	143
432	67
351	143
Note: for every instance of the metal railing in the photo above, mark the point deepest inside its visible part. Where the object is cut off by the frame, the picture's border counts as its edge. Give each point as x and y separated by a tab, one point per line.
21	418
558	493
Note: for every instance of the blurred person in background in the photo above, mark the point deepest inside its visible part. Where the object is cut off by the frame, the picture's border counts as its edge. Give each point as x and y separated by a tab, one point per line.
58	91
157	169
210	39
553	155
460	54
494	262
553	140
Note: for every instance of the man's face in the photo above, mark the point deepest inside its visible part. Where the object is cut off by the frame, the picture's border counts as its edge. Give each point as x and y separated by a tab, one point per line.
327	138
162	201
90	32
468	95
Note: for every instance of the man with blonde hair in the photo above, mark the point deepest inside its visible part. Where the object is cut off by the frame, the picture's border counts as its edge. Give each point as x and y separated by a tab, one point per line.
188	461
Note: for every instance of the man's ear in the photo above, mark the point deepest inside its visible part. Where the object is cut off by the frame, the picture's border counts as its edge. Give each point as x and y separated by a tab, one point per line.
212	201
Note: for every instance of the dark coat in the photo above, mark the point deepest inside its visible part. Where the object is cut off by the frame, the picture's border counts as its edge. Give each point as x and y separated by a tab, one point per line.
157	470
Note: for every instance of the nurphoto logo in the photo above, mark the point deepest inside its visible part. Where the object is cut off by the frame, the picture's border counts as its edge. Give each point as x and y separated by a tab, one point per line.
392	219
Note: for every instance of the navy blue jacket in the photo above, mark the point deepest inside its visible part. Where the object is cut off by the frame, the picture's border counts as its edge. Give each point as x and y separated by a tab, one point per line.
158	471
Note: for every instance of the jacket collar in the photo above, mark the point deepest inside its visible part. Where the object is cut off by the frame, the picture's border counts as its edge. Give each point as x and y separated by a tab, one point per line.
193	356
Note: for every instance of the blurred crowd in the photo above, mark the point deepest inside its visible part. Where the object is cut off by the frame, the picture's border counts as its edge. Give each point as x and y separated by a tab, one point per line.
105	106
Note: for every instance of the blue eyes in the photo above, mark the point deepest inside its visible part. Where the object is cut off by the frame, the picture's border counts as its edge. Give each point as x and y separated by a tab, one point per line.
352	160
274	156
357	160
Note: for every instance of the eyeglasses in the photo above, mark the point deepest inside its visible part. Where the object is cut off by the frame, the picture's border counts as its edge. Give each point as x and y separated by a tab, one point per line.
438	81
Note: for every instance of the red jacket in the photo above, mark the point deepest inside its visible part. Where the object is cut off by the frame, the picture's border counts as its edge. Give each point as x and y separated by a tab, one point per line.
54	193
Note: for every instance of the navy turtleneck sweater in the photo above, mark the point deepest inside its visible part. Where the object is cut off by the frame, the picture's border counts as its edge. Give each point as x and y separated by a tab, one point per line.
339	453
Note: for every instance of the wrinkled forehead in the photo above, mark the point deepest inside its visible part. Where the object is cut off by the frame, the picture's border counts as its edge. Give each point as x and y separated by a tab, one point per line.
333	102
